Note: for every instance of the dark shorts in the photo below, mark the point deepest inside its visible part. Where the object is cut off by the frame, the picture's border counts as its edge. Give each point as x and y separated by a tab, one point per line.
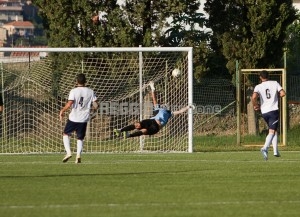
79	128
151	126
272	119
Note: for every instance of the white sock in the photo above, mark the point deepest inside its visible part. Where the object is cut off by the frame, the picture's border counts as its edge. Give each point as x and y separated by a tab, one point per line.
79	147
268	141
66	141
275	144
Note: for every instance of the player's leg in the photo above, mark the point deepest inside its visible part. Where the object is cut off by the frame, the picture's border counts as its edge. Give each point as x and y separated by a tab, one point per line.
274	122
79	150
275	145
271	119
124	130
269	137
69	128
80	131
135	133
146	127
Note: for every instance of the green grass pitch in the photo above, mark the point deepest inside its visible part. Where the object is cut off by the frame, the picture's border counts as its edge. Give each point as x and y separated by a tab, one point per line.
204	184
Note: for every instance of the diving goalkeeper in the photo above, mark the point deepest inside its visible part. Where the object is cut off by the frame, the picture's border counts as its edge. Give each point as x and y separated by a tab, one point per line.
154	124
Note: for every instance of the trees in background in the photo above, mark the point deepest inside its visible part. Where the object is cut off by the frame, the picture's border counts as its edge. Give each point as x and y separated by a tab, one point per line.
252	31
131	24
293	47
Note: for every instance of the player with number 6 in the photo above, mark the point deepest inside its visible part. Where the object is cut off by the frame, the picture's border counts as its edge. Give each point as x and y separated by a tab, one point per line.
268	93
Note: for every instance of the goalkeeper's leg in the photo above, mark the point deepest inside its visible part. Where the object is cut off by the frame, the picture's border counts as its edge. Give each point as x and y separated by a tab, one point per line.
124	129
135	134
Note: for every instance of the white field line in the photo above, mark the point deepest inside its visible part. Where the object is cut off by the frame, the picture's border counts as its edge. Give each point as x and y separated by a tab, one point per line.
62	206
95	162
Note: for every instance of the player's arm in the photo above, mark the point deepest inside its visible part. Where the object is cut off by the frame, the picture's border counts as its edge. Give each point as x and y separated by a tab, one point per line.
95	105
281	93
154	98
65	108
151	84
183	110
254	99
94	109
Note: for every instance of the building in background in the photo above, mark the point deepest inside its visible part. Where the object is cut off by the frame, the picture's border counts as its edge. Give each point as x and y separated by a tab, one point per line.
10	10
296	4
19	28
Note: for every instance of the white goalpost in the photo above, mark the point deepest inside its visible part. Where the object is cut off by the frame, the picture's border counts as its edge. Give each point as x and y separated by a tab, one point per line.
35	84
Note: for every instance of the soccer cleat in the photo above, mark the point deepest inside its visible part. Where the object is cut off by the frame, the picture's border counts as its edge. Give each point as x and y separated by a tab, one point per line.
125	135
264	153
66	158
117	132
78	160
277	155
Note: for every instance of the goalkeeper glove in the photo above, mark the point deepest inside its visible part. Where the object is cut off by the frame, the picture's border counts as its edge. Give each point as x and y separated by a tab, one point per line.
151	84
192	106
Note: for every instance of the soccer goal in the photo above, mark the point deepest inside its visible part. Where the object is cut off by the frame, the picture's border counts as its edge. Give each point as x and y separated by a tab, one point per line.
35	84
250	124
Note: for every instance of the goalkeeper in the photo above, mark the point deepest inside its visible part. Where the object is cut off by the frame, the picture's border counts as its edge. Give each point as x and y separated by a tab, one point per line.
152	125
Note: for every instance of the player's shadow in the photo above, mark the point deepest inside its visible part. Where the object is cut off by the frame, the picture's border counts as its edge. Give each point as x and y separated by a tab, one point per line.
102	174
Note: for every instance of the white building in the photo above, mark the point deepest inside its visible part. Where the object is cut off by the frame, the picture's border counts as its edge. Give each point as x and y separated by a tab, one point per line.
296	4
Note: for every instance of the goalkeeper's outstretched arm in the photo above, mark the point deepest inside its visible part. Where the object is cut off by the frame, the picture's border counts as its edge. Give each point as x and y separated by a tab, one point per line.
151	84
183	110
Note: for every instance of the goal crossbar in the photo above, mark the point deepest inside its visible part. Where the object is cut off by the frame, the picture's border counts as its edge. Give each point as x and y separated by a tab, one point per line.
95	49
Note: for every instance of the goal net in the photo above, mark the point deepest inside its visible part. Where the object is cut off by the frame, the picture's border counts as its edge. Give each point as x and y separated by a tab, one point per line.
36	82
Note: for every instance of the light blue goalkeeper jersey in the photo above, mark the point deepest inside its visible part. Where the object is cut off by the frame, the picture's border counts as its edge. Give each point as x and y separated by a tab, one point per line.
162	116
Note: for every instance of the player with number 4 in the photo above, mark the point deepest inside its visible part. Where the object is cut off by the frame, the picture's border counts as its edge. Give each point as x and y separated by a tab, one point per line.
268	93
152	125
81	99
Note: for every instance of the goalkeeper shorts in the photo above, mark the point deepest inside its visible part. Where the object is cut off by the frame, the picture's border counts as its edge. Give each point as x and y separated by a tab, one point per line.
151	125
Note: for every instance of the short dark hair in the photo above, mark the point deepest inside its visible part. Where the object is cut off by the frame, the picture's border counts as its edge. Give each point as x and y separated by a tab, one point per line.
264	74
81	79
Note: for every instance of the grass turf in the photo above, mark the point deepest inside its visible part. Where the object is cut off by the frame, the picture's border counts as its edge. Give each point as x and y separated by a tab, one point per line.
164	185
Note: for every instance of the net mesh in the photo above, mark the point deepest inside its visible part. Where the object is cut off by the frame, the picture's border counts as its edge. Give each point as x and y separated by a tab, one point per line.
215	112
34	90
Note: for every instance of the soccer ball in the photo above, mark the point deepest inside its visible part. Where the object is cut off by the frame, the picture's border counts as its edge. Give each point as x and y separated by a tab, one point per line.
176	73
